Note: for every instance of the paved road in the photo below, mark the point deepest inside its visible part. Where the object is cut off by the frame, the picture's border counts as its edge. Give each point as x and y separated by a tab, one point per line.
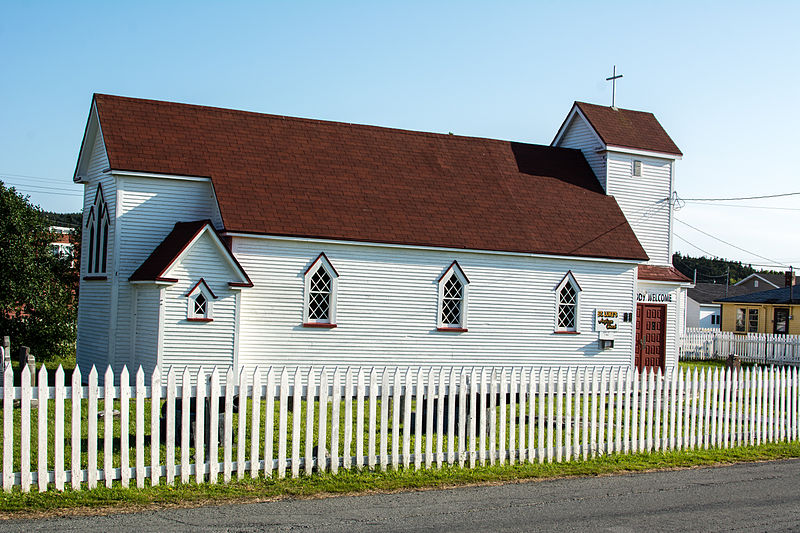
749	497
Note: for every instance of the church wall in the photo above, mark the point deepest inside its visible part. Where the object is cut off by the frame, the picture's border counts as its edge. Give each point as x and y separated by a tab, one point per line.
149	208
199	344
95	296
387	308
145	328
645	200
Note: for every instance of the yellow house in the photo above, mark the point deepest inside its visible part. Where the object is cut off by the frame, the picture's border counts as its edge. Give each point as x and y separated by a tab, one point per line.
774	311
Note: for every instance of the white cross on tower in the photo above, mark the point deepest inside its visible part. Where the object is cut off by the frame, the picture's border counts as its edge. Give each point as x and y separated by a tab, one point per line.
613	79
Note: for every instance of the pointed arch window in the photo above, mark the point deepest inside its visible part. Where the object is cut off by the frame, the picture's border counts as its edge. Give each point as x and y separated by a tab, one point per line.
97	224
567	304
453	291
319	305
199	303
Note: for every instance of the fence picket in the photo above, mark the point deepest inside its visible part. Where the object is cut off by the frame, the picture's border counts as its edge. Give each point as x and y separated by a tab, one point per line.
650	403
242	428
601	447
395	420
440	399
155	427
373	410
550	420
213	428
227	433
429	419
297	401
642	381
503	422
359	435
91	447
594	399
140	429
41	434
8	427
77	396
125	426
568	416
516	389
451	417
170	426
473	396
311	385
199	427
58	444
492	417
322	426
530	409
407	419
559	417
25	430
336	401
634	410
659	390
419	401
621	393
540	412
282	421
347	452
462	417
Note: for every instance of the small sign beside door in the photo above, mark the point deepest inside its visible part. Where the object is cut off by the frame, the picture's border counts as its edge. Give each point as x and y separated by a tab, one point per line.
606	320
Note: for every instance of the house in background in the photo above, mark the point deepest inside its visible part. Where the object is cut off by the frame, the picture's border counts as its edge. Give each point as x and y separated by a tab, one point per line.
215	237
61	246
760	281
703	309
773	311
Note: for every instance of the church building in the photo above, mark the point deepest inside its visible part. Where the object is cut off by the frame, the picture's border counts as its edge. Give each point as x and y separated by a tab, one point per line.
216	237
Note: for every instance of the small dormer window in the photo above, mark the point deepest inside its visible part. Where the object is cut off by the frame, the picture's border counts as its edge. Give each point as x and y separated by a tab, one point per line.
199	304
453	286
97	223
637	168
321	282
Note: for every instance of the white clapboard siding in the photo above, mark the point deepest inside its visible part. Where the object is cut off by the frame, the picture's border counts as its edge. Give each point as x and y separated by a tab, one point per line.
556	413
510	317
95	296
645	200
579	135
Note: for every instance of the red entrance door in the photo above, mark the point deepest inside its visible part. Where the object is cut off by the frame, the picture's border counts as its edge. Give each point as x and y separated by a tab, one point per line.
651	328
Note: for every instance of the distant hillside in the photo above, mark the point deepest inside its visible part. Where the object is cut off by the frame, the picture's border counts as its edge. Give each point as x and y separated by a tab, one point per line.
69	220
713	270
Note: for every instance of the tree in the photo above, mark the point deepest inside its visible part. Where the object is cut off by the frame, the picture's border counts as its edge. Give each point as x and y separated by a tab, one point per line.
37	289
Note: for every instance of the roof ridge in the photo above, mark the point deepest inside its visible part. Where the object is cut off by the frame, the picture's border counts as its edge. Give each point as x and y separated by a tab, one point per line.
322	121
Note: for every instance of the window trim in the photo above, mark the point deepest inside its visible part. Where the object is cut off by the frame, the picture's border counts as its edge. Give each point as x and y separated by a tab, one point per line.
750	312
453	270
321	262
98	223
569	277
200	288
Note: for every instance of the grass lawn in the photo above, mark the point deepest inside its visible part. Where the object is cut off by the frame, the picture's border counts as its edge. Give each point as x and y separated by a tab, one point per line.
19	505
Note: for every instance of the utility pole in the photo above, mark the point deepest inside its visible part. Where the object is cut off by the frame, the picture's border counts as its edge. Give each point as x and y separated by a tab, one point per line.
727	280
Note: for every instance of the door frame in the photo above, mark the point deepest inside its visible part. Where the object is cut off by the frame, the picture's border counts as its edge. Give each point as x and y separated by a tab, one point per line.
640	308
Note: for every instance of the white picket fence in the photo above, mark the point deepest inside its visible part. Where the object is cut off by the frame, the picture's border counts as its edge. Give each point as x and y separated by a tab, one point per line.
703	344
375	418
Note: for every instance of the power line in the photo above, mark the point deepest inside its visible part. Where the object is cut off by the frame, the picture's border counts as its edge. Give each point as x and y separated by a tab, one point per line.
31	177
729	244
771	208
740	198
693	245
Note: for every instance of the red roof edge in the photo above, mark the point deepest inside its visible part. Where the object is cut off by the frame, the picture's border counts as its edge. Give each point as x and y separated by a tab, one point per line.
173	245
661	273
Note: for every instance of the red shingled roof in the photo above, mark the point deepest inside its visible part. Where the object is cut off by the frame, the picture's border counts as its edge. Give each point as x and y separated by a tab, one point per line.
661	273
307	178
173	245
628	128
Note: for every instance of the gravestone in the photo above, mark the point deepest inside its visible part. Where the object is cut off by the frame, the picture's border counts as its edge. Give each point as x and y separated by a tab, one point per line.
6	351
25	358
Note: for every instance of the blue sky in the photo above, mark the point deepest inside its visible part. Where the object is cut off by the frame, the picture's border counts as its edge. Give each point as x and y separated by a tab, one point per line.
721	77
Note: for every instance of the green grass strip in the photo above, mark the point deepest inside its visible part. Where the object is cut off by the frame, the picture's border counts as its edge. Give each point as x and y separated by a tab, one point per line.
117	499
